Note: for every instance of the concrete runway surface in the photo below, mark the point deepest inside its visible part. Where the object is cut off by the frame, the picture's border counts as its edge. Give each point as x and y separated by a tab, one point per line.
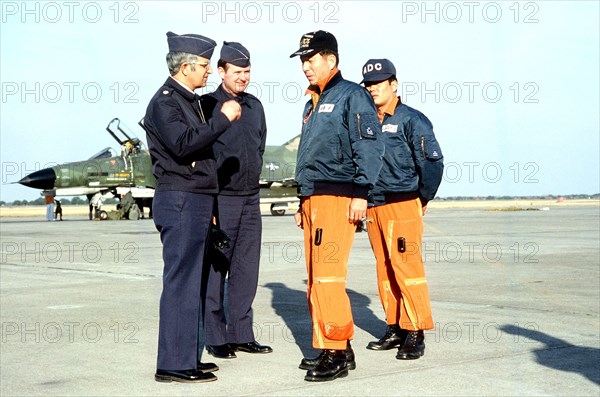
515	298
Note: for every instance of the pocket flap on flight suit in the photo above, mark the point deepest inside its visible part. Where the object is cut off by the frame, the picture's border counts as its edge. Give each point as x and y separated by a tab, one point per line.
332	304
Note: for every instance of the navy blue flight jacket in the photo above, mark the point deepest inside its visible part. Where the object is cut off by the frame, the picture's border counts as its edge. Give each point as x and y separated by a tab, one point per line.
413	162
340	148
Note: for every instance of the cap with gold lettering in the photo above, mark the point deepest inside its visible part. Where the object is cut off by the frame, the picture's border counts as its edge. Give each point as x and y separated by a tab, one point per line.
313	42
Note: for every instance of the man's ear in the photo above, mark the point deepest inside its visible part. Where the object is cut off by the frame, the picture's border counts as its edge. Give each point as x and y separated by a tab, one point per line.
394	85
221	71
331	60
184	68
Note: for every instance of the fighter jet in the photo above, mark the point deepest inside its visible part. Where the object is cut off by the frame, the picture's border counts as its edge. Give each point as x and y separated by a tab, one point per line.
129	174
105	174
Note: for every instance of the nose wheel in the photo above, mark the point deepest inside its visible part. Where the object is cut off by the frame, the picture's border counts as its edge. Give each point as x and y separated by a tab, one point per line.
278	210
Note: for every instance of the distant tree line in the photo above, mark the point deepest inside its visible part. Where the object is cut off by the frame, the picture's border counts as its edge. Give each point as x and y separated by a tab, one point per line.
63	201
83	201
542	197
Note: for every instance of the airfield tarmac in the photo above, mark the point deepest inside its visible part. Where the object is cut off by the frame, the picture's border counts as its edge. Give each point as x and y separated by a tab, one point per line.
515	298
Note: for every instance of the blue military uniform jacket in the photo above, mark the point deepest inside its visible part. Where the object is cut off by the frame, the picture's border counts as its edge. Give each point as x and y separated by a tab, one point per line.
239	151
180	143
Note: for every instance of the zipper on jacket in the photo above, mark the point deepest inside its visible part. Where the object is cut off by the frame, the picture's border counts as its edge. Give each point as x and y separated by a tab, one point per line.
358	121
423	145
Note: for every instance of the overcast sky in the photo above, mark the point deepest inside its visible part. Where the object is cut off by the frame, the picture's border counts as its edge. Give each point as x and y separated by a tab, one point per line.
512	88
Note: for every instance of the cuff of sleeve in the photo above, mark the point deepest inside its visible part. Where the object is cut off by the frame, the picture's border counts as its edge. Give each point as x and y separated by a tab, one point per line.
360	192
424	201
220	122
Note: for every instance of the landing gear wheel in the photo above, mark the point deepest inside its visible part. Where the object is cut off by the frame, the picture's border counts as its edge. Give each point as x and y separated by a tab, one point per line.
277	212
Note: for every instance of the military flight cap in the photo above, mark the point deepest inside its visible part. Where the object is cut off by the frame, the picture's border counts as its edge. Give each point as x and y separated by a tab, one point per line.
235	54
377	70
191	44
314	42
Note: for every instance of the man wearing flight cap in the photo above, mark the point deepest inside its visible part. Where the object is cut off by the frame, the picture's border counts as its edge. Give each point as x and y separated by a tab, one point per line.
410	176
338	161
180	141
239	154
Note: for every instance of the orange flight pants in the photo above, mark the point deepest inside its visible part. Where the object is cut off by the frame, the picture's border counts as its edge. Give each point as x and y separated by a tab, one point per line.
400	275
328	237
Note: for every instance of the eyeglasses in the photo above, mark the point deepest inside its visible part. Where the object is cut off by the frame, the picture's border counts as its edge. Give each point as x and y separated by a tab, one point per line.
201	64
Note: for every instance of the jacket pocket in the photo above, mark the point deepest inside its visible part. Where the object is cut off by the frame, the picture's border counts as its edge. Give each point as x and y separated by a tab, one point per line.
430	148
366	126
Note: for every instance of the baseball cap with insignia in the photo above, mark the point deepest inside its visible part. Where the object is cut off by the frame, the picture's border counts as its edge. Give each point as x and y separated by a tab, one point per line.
314	42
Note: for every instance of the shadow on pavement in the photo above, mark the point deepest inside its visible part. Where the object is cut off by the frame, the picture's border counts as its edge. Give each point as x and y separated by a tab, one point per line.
560	354
292	307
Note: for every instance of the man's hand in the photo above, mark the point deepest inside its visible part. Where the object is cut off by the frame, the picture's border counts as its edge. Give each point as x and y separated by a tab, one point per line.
357	210
298	218
424	209
232	110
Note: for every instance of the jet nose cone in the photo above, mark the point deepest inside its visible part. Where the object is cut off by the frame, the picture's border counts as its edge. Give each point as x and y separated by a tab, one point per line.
42	179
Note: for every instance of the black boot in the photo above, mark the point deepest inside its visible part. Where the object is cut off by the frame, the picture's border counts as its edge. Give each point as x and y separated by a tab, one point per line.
394	337
311	363
350	361
332	365
413	347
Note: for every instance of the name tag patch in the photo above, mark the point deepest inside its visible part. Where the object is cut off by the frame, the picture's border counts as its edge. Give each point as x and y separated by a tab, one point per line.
326	108
389	128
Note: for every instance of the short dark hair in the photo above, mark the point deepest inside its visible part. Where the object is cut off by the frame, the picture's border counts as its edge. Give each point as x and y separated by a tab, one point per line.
222	64
327	52
390	80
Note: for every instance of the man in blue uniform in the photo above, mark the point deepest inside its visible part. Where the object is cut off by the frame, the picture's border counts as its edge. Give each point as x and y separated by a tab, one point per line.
410	176
239	154
180	142
338	161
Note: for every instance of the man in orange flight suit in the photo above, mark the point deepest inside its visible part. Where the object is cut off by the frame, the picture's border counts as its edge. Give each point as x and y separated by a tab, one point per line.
339	158
410	176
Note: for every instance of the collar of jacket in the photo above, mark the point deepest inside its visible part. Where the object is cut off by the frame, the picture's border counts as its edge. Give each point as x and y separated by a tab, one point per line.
171	83
222	95
391	108
315	91
329	82
333	81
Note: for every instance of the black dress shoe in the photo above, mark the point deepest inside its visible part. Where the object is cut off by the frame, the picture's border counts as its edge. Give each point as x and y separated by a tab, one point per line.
221	351
393	338
207	367
332	365
311	363
185	376
251	347
413	347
